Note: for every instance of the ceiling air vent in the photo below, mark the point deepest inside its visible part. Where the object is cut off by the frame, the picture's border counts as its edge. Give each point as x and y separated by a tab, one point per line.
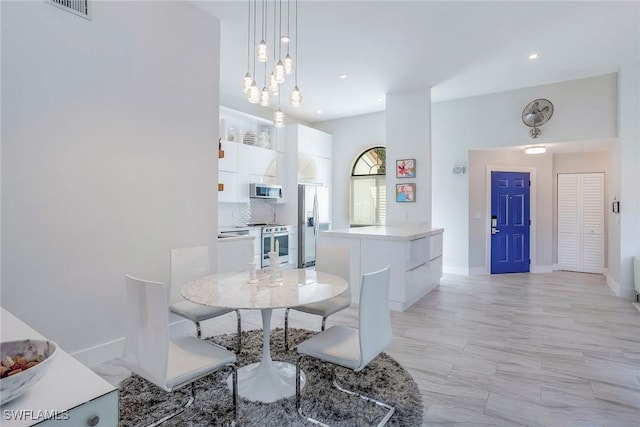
77	7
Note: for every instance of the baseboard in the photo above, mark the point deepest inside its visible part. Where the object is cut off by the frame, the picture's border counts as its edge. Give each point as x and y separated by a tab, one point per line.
93	356
619	291
555	267
402	306
461	271
477	271
542	268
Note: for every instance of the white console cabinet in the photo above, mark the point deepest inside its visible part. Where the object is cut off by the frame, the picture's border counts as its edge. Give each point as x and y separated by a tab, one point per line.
69	393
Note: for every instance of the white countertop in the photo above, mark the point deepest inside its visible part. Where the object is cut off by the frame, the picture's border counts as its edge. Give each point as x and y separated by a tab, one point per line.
228	228
232	238
382	232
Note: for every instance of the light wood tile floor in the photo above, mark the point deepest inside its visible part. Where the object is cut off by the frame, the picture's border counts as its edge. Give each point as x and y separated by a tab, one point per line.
553	349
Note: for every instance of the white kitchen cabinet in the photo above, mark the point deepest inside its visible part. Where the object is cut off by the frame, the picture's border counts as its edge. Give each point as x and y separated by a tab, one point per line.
256	233
313	142
234	254
323	170
293	246
233	188
257	161
414	254
228	163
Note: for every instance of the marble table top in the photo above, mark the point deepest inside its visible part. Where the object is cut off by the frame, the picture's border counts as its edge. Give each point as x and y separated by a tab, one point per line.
298	287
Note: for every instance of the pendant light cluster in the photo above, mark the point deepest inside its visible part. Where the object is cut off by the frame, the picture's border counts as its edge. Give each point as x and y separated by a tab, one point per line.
274	74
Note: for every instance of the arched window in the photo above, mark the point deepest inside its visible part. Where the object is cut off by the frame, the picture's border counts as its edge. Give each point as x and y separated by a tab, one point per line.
368	189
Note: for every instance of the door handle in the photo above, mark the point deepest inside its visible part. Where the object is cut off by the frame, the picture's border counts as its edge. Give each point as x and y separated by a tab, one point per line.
494	230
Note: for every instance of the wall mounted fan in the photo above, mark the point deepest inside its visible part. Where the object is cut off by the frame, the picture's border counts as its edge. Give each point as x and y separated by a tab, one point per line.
535	114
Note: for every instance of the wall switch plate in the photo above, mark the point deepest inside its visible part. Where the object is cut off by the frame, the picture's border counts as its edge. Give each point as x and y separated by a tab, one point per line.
478	215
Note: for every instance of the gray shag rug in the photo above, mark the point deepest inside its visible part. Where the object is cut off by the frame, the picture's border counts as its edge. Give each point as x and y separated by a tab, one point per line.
142	403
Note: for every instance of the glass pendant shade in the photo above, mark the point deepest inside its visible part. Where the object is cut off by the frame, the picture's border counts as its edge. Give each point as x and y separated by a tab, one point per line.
296	97
246	82
278	72
264	97
278	118
288	64
273	85
254	93
261	51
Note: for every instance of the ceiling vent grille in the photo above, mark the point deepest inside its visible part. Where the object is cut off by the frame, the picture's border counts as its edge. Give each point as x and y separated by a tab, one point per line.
77	7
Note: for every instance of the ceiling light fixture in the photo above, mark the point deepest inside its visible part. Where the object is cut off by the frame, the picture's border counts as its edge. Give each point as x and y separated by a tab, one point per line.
539	149
319	111
280	67
533	56
343	76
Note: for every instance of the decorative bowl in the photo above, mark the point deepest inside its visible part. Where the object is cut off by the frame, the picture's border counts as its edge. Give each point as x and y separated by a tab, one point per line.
16	384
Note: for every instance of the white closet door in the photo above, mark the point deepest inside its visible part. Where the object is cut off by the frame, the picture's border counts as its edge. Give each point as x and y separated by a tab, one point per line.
593	223
568	222
581	222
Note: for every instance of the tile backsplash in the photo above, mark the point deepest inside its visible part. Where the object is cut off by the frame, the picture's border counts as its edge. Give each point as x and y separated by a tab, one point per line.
256	211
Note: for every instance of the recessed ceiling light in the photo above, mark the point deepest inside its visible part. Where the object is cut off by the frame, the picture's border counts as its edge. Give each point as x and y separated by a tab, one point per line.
533	56
343	76
379	99
285	39
535	150
319	111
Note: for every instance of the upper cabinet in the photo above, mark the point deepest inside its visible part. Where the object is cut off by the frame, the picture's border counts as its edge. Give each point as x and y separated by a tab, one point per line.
314	142
248	153
314	150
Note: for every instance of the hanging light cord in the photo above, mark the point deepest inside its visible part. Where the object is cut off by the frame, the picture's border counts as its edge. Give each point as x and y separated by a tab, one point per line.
254	38
297	58
280	32
249	36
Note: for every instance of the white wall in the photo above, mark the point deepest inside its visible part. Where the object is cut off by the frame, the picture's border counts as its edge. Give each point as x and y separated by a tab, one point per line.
109	140
493	121
351	137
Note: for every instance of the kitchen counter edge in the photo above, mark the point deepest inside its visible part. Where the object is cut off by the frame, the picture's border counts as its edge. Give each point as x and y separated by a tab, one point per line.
384	232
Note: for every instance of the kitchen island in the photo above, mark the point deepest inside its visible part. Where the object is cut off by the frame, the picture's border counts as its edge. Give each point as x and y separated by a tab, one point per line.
413	252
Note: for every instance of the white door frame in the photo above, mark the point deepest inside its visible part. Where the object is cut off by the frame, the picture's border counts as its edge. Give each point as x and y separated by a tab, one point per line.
532	213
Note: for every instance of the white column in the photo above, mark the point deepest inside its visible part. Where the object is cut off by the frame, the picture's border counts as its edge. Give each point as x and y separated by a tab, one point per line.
408	136
629	216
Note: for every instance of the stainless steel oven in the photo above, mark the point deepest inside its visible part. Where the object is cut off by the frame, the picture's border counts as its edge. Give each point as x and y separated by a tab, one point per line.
280	234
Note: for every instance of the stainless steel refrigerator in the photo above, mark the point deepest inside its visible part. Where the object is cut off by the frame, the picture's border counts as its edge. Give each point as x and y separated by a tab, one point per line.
313	217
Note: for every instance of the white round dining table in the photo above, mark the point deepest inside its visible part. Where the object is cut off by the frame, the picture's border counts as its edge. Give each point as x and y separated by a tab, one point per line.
267	380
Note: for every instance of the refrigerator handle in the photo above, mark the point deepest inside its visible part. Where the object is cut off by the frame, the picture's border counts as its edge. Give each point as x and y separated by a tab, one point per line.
316	225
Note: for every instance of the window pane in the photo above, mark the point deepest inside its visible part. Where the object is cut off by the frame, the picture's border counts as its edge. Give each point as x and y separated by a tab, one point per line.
371	162
368	200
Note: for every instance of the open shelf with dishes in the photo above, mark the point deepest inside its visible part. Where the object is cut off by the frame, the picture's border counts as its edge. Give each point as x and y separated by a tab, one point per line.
243	128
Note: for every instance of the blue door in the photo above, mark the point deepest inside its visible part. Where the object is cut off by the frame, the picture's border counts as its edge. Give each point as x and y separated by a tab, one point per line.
510	222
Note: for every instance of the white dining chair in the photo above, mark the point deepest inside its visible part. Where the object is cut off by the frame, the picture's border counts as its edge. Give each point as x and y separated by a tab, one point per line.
167	363
334	260
188	264
354	348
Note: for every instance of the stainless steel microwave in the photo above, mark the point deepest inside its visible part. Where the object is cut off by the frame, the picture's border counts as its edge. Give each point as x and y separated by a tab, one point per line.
265	191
